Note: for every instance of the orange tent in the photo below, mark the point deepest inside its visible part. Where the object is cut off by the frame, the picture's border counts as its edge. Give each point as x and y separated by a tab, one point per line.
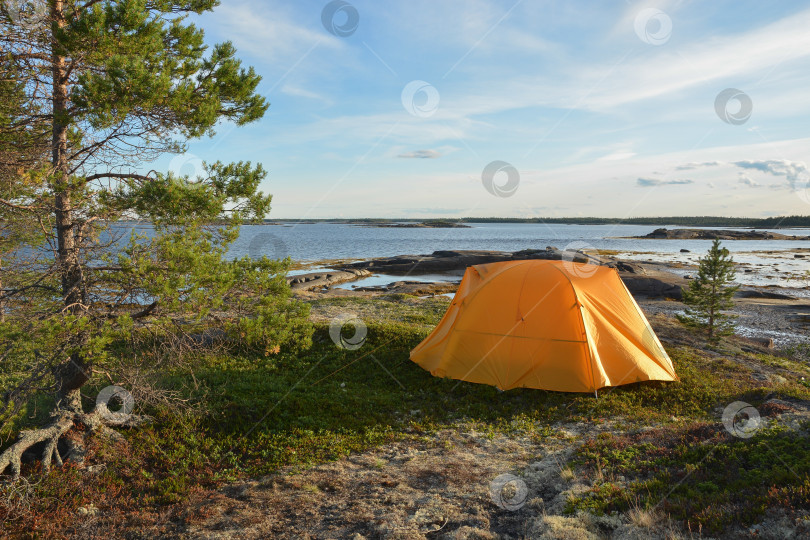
552	325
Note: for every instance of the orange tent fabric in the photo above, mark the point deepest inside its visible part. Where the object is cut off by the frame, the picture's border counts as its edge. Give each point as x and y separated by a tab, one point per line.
552	325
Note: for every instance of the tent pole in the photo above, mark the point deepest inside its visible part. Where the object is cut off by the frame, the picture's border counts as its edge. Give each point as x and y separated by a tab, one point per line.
596	394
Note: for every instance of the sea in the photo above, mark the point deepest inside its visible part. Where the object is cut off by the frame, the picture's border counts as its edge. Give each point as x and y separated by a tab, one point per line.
771	262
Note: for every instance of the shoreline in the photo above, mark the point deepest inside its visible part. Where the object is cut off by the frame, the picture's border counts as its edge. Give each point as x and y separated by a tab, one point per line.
763	311
715	234
777	222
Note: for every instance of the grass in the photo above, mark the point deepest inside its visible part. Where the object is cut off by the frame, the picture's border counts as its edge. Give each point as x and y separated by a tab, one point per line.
698	473
260	415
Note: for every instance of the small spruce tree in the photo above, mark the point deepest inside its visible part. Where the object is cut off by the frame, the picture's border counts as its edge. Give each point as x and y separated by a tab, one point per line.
710	294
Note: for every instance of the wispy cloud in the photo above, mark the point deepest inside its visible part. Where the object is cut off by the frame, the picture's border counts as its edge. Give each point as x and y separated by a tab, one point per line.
566	92
713	58
297	91
692	166
796	172
649	182
421	154
443	211
616	156
270	33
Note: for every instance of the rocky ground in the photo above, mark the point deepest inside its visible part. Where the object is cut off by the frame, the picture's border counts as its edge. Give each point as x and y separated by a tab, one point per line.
463	484
457	485
762	312
643	279
466	483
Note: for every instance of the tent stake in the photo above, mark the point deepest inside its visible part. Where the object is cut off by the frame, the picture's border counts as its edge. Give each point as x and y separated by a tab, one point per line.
596	394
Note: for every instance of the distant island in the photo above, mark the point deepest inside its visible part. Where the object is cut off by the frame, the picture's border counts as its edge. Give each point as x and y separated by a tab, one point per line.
779	222
717	234
431	224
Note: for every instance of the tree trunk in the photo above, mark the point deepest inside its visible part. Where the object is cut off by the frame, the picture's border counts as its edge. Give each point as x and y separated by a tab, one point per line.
75	371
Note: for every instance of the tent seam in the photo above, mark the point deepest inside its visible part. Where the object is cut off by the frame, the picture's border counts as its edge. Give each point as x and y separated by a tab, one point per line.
649	326
582	320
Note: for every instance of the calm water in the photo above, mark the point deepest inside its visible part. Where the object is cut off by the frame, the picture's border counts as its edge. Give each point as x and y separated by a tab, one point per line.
309	242
319	241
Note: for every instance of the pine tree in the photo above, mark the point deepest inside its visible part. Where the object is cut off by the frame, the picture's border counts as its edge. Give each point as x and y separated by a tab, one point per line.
711	293
108	86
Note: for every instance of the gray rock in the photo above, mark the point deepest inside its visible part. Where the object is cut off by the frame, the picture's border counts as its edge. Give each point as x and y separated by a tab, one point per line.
765	342
758	293
325	279
652	287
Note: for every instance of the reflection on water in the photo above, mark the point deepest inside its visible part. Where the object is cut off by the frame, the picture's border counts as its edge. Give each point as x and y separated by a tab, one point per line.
376	280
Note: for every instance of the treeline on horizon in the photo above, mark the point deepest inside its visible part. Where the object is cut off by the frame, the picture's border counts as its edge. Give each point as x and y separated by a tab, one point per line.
695	221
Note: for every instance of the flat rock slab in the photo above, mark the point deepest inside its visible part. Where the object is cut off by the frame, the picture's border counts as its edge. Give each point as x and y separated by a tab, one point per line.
415	288
639	279
455	261
757	293
304	282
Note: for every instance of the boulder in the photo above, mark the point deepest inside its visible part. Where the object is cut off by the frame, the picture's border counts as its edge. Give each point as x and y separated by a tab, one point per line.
458	260
759	293
627	267
764	342
652	287
325	279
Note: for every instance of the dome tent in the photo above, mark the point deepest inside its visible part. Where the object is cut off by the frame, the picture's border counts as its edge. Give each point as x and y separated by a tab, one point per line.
551	325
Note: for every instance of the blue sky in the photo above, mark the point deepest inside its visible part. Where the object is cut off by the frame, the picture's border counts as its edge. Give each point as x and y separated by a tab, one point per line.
601	108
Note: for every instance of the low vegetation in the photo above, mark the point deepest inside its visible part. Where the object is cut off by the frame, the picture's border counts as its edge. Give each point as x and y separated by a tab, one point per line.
239	416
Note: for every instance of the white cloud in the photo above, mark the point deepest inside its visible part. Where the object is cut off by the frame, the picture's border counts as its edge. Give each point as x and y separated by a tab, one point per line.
297	91
594	188
796	172
718	57
421	154
269	32
616	156
649	182
667	70
692	166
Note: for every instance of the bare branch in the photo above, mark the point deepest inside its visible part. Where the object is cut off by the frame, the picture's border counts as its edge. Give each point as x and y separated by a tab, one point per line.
118	175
